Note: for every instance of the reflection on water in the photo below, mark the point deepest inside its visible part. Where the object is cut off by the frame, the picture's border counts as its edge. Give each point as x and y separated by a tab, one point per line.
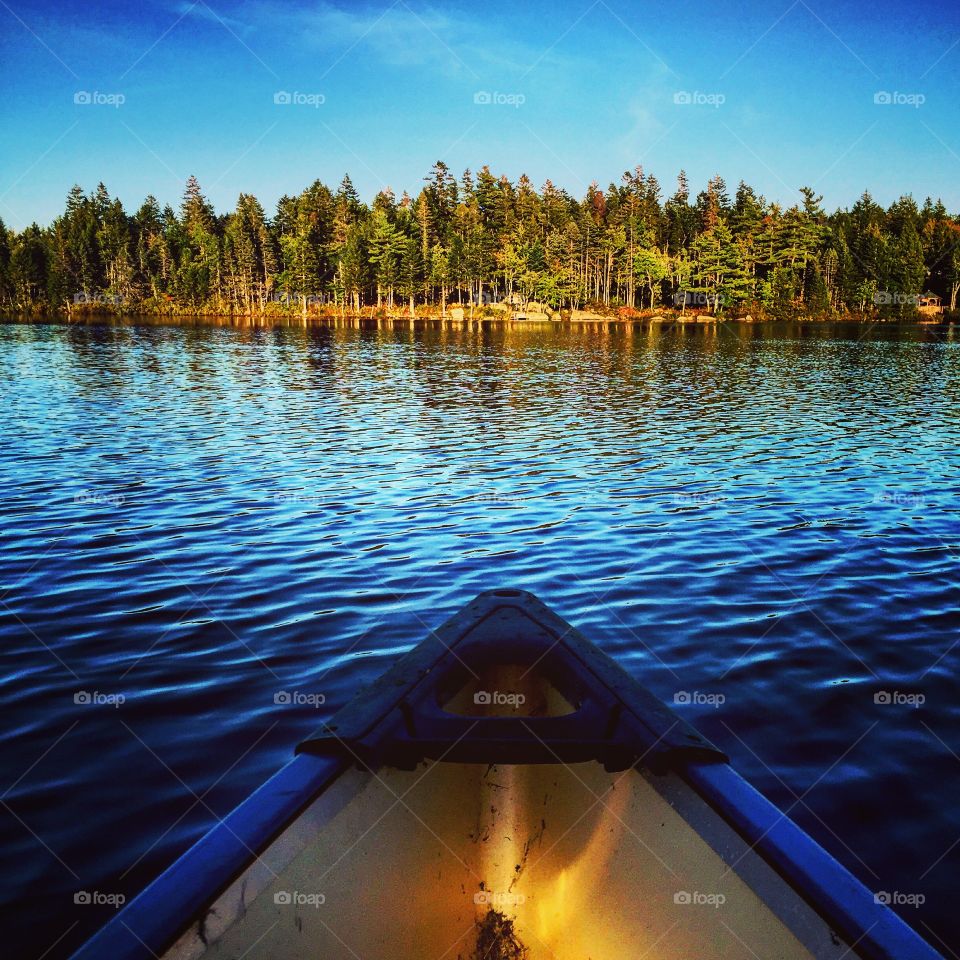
218	533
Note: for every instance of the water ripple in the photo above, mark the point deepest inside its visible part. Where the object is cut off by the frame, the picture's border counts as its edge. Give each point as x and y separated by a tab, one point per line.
761	524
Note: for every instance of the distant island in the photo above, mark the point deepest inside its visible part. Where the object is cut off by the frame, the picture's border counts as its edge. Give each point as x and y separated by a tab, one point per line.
483	246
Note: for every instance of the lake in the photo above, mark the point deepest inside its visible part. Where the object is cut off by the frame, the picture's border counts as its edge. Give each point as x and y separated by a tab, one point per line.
758	522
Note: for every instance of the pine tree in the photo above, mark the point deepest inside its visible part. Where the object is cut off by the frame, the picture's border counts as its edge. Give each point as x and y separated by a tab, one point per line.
906	272
151	260
249	255
29	261
387	244
815	293
6	286
718	273
195	211
198	273
114	241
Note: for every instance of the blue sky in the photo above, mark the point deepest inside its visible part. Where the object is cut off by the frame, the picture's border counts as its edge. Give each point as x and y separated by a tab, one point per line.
781	94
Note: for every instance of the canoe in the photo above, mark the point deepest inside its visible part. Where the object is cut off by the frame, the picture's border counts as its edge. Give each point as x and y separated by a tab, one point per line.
507	791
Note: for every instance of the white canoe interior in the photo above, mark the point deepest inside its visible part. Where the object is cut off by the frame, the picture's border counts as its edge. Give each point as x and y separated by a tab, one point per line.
586	863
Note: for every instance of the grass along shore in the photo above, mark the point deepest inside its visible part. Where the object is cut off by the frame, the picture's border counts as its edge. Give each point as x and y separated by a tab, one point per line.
532	313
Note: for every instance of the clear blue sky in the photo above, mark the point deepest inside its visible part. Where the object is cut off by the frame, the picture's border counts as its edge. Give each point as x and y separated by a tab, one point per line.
598	83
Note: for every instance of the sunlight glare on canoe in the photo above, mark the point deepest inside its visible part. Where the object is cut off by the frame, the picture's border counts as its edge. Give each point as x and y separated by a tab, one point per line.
570	892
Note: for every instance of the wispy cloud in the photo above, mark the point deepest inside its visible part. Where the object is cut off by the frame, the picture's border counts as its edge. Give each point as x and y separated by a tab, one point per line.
213	14
394	33
323	38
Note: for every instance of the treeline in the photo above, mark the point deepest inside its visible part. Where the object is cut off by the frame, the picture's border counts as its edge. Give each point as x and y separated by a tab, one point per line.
482	239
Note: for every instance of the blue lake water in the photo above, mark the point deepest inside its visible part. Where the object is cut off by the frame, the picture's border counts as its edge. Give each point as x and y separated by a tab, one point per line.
196	518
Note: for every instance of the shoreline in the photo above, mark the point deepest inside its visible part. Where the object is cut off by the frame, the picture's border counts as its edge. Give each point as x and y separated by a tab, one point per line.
585	319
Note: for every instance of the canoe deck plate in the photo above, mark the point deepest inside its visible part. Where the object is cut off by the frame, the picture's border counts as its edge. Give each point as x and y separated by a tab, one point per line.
400	720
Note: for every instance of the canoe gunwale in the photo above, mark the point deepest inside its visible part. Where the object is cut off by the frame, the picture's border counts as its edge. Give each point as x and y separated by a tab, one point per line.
178	898
874	931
